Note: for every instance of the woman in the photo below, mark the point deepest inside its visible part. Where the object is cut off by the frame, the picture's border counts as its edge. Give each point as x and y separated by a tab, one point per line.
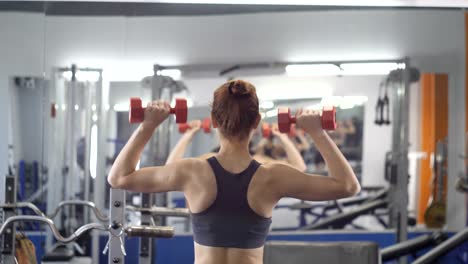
230	195
259	152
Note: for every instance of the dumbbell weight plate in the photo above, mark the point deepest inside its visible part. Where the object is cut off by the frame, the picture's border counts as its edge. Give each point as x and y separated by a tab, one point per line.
284	119
206	125
329	118
183	127
180	110
136	113
266	130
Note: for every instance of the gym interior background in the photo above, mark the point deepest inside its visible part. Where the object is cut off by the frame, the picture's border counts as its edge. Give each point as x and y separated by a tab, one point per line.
57	145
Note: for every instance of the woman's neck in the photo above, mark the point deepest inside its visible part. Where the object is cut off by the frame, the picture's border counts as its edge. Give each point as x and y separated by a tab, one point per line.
234	148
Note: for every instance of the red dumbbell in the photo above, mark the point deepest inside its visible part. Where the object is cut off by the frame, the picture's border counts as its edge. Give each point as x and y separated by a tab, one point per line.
137	112
205	125
285	119
266	130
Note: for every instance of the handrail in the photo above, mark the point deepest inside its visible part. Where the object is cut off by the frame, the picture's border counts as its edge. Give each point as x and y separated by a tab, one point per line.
89	204
33	218
145	231
33	207
29	205
163	211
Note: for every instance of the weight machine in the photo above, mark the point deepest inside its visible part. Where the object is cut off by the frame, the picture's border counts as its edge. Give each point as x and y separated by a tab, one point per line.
155	153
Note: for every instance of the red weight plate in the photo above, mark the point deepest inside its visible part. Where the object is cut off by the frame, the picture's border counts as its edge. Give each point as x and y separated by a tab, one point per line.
266	130
329	118
206	125
284	119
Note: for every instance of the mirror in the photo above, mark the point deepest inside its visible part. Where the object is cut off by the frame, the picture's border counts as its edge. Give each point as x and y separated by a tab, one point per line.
76	66
22	92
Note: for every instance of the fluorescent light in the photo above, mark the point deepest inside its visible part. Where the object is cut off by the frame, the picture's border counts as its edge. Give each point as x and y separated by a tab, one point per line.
262	115
121	107
131	71
95	117
93	152
93	107
331	101
343	102
77	107
282	90
173	73
67	75
89	76
377	68
64	107
272	113
312	69
107	107
267	104
315	107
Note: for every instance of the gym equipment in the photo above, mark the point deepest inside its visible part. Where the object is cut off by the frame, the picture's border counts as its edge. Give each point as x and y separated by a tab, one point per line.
339	221
99	215
285	119
161	211
412	246
280	252
383	105
147	231
206	126
443	248
137	111
434	216
320	210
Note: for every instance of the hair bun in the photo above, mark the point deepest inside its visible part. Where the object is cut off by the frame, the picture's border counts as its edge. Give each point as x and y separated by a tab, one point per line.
238	89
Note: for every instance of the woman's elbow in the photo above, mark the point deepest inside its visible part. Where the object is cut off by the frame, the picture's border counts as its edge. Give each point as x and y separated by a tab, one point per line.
115	181
353	188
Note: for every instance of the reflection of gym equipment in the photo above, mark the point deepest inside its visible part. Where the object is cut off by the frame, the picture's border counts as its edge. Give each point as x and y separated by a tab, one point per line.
434	216
443	248
99	215
382	106
137	112
205	125
412	246
321	211
161	211
285	119
365	207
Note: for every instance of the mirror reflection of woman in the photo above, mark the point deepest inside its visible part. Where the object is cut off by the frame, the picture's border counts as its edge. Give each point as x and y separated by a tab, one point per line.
231	196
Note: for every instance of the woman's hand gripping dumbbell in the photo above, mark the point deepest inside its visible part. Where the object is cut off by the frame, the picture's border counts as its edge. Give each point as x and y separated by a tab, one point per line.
309	120
157	111
195	125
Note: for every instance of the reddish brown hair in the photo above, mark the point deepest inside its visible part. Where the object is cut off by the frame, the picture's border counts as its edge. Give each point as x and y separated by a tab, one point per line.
235	108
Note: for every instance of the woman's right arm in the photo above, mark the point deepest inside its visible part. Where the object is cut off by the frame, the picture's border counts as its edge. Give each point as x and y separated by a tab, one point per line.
341	182
293	155
178	151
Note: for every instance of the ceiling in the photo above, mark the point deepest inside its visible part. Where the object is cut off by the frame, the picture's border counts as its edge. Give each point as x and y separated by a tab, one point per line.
59	8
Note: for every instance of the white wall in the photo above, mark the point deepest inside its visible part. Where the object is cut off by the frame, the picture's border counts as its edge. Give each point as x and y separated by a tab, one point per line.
21	53
433	39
